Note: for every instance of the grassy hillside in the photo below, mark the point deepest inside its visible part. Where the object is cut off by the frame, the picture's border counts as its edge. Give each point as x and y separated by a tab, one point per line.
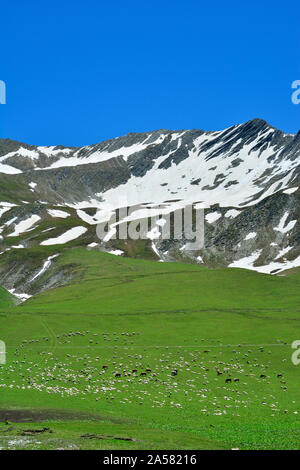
109	284
6	299
166	356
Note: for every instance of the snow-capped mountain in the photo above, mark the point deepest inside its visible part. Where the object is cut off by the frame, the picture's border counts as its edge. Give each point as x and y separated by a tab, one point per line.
246	177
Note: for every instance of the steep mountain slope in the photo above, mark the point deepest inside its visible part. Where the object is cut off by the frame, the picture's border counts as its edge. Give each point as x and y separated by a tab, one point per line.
246	177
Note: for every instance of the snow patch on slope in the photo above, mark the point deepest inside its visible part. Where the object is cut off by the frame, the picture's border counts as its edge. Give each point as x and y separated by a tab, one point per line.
232	213
58	213
281	227
213	217
25	225
290	191
250	236
66	237
271	268
247	261
116	252
100	155
9	170
46	265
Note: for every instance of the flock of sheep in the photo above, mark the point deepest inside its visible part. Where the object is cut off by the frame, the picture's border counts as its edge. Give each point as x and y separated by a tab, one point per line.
214	381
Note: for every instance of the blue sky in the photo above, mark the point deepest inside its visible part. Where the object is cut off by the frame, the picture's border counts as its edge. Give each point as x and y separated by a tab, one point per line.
78	72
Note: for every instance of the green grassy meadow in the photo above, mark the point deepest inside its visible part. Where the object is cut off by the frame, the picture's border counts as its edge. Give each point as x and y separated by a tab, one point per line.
6	299
136	354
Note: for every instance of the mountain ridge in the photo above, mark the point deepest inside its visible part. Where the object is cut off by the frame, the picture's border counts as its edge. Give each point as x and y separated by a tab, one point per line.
9	141
246	177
